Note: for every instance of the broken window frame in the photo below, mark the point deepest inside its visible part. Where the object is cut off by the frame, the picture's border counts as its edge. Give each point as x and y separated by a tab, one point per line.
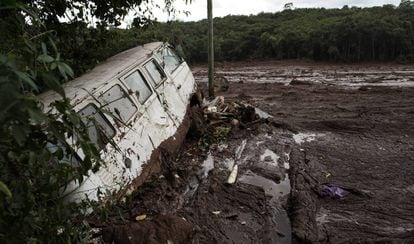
159	68
175	55
100	142
113	113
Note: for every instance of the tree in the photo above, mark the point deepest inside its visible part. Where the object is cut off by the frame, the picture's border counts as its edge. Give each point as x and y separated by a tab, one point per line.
103	12
36	160
406	4
288	6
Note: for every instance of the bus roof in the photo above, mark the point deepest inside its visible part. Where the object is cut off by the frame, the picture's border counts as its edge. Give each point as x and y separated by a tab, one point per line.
78	89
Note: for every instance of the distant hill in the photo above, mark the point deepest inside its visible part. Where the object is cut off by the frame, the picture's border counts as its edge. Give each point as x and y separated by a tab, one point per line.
346	35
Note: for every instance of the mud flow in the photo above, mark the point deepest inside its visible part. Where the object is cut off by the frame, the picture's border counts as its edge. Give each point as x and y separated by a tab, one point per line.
287	153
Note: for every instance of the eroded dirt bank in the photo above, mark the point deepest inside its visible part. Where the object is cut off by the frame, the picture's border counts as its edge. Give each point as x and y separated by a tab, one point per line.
347	126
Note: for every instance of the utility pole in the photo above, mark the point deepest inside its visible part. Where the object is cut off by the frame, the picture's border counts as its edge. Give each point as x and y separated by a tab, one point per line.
210	49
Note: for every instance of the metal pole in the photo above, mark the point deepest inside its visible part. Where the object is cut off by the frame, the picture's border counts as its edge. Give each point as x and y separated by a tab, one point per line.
210	49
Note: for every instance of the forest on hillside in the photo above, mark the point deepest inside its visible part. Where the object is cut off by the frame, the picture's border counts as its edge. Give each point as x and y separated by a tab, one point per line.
349	34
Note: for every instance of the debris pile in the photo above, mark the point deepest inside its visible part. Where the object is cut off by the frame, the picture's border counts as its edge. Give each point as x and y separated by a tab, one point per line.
191	197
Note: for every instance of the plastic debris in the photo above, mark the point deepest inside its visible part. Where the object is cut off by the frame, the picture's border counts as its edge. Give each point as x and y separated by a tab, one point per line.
333	191
208	165
240	149
141	217
262	114
233	175
212	109
216	212
217	101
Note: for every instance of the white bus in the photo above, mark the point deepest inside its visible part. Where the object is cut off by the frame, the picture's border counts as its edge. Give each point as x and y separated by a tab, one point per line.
147	89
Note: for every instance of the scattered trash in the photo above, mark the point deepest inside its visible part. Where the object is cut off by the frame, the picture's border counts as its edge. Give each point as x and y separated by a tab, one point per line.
233	175
229	163
300	138
212	109
243	223
240	149
216	212
208	164
217	101
269	155
262	114
222	146
141	217
333	191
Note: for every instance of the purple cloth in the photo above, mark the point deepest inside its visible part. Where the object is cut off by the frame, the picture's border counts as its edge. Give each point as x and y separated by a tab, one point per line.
333	191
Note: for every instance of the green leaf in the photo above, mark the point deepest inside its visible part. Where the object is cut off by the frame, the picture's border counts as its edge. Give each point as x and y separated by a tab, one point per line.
26	78
37	116
53	66
62	71
5	189
53	83
53	46
45	58
44	49
20	134
66	69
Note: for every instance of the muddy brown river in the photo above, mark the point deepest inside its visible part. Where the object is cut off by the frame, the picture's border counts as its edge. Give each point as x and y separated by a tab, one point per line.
348	128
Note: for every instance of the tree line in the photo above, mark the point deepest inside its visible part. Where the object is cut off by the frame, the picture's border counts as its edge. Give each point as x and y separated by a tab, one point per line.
349	35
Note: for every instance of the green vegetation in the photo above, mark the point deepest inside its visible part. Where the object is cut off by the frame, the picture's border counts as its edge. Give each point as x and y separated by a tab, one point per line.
37	159
348	34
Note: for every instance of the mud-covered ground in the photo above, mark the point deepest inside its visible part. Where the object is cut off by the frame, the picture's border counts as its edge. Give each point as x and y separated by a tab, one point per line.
347	126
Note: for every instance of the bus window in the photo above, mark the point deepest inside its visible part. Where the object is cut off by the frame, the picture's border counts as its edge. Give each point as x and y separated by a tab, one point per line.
157	75
92	118
118	103
138	86
170	58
